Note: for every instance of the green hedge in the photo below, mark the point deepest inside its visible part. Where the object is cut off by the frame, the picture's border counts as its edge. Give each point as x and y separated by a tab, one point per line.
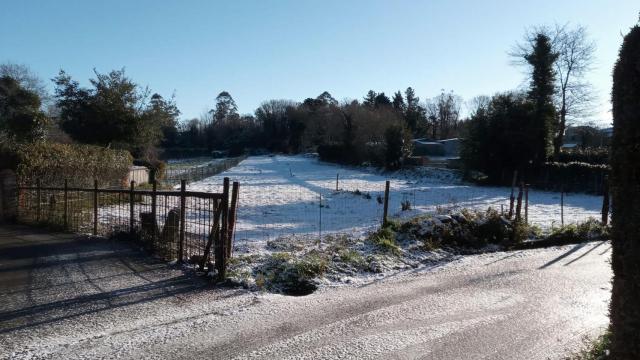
52	163
573	176
595	156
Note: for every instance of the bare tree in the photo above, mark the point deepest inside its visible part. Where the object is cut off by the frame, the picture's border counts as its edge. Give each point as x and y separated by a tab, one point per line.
443	113
574	97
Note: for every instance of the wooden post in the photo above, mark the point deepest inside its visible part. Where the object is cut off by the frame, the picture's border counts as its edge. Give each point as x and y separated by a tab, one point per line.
183	210
519	204
386	203
605	201
512	198
320	218
562	205
95	207
65	205
526	203
154	205
232	217
131	206
337	181
221	263
38	200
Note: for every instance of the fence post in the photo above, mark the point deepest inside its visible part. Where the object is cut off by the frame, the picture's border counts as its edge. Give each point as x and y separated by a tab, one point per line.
183	203
154	203
232	216
512	198
65	205
38	199
386	203
221	261
562	205
337	181
605	201
526	203
320	219
131	206
519	204
95	207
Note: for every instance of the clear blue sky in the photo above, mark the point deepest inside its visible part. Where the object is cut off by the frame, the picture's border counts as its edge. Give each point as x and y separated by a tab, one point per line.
269	49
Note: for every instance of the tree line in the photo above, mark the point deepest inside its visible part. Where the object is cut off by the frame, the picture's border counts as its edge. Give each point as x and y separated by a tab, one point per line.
512	130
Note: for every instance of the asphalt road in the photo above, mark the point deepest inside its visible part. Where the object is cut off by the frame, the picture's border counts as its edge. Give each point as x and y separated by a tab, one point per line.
63	297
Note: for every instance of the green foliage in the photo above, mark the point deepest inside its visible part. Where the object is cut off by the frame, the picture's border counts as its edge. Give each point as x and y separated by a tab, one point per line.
52	163
591	229
593	156
114	111
500	137
352	257
574	176
625	177
595	350
542	59
398	146
385	240
20	117
282	272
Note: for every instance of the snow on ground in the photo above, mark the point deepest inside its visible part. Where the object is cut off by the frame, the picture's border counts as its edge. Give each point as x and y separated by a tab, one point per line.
282	196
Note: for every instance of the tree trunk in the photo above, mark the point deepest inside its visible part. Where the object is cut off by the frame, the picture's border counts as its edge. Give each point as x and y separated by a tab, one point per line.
625	184
559	138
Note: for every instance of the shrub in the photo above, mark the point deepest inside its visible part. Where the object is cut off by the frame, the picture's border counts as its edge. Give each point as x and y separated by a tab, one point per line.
352	257
292	276
574	176
385	240
594	156
52	163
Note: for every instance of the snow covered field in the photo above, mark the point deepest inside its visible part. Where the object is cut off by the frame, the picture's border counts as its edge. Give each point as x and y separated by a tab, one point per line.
282	196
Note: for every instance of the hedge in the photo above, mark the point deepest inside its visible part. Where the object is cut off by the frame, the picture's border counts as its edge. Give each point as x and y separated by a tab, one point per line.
594	156
573	176
52	163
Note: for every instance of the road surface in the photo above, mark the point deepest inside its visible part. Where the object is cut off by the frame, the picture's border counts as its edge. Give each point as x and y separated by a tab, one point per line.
64	297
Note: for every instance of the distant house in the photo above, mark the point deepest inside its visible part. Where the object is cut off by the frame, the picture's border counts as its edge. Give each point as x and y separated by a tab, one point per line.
586	136
449	148
442	153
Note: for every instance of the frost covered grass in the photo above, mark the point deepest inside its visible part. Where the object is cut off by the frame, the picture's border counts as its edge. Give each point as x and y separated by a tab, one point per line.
295	196
298	267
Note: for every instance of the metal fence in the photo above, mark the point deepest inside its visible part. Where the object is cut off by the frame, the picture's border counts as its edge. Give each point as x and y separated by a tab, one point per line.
174	224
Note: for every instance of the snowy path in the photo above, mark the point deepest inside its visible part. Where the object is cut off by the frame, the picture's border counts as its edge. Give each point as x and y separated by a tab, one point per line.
71	298
279	196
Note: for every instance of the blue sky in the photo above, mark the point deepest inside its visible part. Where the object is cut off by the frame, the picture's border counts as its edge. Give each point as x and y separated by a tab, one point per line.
270	49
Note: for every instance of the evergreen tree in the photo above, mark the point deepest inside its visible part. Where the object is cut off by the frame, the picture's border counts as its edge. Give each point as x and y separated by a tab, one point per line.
397	146
225	107
414	114
541	92
398	102
625	165
326	99
381	101
20	117
370	99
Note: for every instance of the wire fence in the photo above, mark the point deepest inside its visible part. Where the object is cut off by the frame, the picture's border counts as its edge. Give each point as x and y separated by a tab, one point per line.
173	175
312	208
